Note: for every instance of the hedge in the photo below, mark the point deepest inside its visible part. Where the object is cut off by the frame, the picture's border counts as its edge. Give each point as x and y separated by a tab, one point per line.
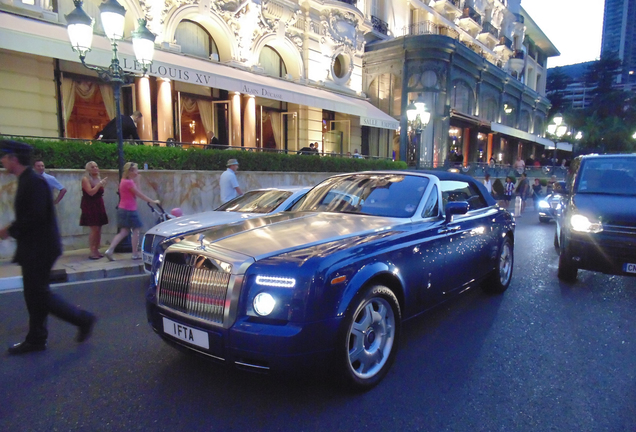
64	154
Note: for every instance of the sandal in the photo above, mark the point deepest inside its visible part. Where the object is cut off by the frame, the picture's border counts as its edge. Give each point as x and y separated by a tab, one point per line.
94	257
136	257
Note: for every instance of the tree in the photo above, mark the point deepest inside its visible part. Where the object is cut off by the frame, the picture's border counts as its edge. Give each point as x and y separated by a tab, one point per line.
555	88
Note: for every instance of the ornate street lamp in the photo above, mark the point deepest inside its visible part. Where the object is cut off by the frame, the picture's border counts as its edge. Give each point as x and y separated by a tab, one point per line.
80	33
418	118
557	128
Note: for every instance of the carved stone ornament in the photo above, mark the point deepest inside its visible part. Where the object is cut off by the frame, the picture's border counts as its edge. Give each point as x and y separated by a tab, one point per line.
342	28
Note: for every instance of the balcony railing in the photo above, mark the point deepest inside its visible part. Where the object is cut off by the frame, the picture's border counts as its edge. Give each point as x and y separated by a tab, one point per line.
421	28
472	14
350	2
503	40
489	28
379	25
519	18
519	54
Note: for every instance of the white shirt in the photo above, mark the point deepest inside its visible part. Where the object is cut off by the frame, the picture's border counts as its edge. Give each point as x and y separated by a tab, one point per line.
488	184
228	184
52	181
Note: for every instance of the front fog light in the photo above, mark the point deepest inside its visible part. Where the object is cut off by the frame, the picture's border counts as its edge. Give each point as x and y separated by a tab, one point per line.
264	304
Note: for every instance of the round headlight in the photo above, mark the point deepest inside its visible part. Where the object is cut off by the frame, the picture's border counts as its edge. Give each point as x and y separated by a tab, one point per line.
544	205
264	304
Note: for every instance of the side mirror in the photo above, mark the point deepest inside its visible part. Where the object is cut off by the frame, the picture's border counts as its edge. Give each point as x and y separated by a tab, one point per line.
455	208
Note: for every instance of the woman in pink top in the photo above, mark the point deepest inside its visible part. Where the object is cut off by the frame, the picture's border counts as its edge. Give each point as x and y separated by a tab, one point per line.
127	216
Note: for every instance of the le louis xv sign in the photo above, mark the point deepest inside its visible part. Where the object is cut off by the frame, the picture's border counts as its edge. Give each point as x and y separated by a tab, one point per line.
201	78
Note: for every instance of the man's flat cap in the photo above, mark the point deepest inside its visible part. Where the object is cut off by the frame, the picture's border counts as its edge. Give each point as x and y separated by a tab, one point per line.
14	147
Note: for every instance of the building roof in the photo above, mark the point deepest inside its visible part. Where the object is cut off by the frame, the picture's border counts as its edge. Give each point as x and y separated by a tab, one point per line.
537	35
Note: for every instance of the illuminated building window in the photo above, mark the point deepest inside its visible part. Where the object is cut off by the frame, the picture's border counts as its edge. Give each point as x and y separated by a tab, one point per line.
195	40
272	62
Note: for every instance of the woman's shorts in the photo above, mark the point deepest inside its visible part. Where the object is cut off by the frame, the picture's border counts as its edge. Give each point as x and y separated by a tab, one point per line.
507	197
128	219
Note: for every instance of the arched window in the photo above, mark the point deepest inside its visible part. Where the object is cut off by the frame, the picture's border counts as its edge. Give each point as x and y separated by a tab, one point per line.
272	62
462	98
385	92
195	40
524	121
538	125
489	109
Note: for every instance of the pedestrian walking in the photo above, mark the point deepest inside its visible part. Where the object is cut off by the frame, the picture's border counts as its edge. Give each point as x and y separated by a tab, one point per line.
228	183
127	215
38	247
488	183
38	166
93	211
509	188
523	191
128	128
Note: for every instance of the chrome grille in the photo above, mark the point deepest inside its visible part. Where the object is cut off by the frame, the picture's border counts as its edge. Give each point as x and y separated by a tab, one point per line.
193	290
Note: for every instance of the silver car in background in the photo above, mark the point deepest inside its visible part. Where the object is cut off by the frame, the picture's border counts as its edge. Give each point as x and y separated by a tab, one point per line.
252	204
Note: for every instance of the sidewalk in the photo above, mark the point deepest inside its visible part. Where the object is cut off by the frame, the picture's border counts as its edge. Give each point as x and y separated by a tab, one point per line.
74	266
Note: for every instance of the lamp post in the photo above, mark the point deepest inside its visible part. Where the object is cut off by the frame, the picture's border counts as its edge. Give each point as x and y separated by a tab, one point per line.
557	128
80	33
418	118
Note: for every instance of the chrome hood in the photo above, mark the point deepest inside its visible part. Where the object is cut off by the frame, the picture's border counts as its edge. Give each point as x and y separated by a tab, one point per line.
197	222
271	235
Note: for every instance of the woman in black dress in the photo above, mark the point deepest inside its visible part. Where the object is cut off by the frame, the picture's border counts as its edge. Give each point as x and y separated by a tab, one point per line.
93	210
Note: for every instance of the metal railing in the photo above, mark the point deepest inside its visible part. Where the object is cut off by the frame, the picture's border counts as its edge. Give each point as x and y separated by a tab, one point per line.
379	25
503	40
489	28
472	14
188	146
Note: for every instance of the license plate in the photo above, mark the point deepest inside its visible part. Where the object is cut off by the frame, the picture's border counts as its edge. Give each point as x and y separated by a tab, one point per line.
147	258
629	268
186	333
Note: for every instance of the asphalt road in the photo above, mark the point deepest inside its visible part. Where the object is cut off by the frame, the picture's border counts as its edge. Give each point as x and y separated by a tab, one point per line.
545	356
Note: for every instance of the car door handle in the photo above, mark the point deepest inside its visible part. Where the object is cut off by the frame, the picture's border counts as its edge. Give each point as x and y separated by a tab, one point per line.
448	230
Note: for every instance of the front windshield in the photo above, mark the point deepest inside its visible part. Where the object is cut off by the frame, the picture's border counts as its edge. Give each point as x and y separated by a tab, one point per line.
389	195
616	176
264	201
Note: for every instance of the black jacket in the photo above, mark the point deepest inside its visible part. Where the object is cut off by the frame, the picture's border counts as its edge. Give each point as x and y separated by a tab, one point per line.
128	129
35	227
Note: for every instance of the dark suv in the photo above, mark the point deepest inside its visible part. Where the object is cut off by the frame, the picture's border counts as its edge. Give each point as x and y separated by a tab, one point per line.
596	223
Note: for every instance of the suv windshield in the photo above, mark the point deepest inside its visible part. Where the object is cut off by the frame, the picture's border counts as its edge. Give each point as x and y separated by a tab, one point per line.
608	176
264	201
389	195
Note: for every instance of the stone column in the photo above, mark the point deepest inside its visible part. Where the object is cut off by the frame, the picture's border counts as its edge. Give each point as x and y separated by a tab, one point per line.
165	118
144	127
235	119
249	121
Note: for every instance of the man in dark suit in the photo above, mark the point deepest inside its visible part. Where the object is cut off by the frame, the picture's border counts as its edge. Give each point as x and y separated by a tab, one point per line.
128	128
38	246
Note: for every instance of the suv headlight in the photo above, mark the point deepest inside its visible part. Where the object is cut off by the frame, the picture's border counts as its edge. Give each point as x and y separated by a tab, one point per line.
544	204
581	223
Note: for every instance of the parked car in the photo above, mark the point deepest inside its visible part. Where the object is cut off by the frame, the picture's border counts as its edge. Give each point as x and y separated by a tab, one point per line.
550	204
596	225
249	205
331	280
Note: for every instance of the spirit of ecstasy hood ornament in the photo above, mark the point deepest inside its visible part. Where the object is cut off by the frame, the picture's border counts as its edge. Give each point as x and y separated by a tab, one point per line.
201	237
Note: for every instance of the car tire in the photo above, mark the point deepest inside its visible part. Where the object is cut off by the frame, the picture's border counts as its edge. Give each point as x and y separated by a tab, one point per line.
567	270
500	278
556	241
369	340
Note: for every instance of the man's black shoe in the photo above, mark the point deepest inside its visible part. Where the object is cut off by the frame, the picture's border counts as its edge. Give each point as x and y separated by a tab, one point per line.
26	347
85	330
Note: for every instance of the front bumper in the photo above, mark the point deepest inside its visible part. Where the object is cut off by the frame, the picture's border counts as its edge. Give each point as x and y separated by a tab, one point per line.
604	252
253	345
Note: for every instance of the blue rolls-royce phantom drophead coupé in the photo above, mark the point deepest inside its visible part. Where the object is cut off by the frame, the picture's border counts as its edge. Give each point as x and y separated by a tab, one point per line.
332	280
